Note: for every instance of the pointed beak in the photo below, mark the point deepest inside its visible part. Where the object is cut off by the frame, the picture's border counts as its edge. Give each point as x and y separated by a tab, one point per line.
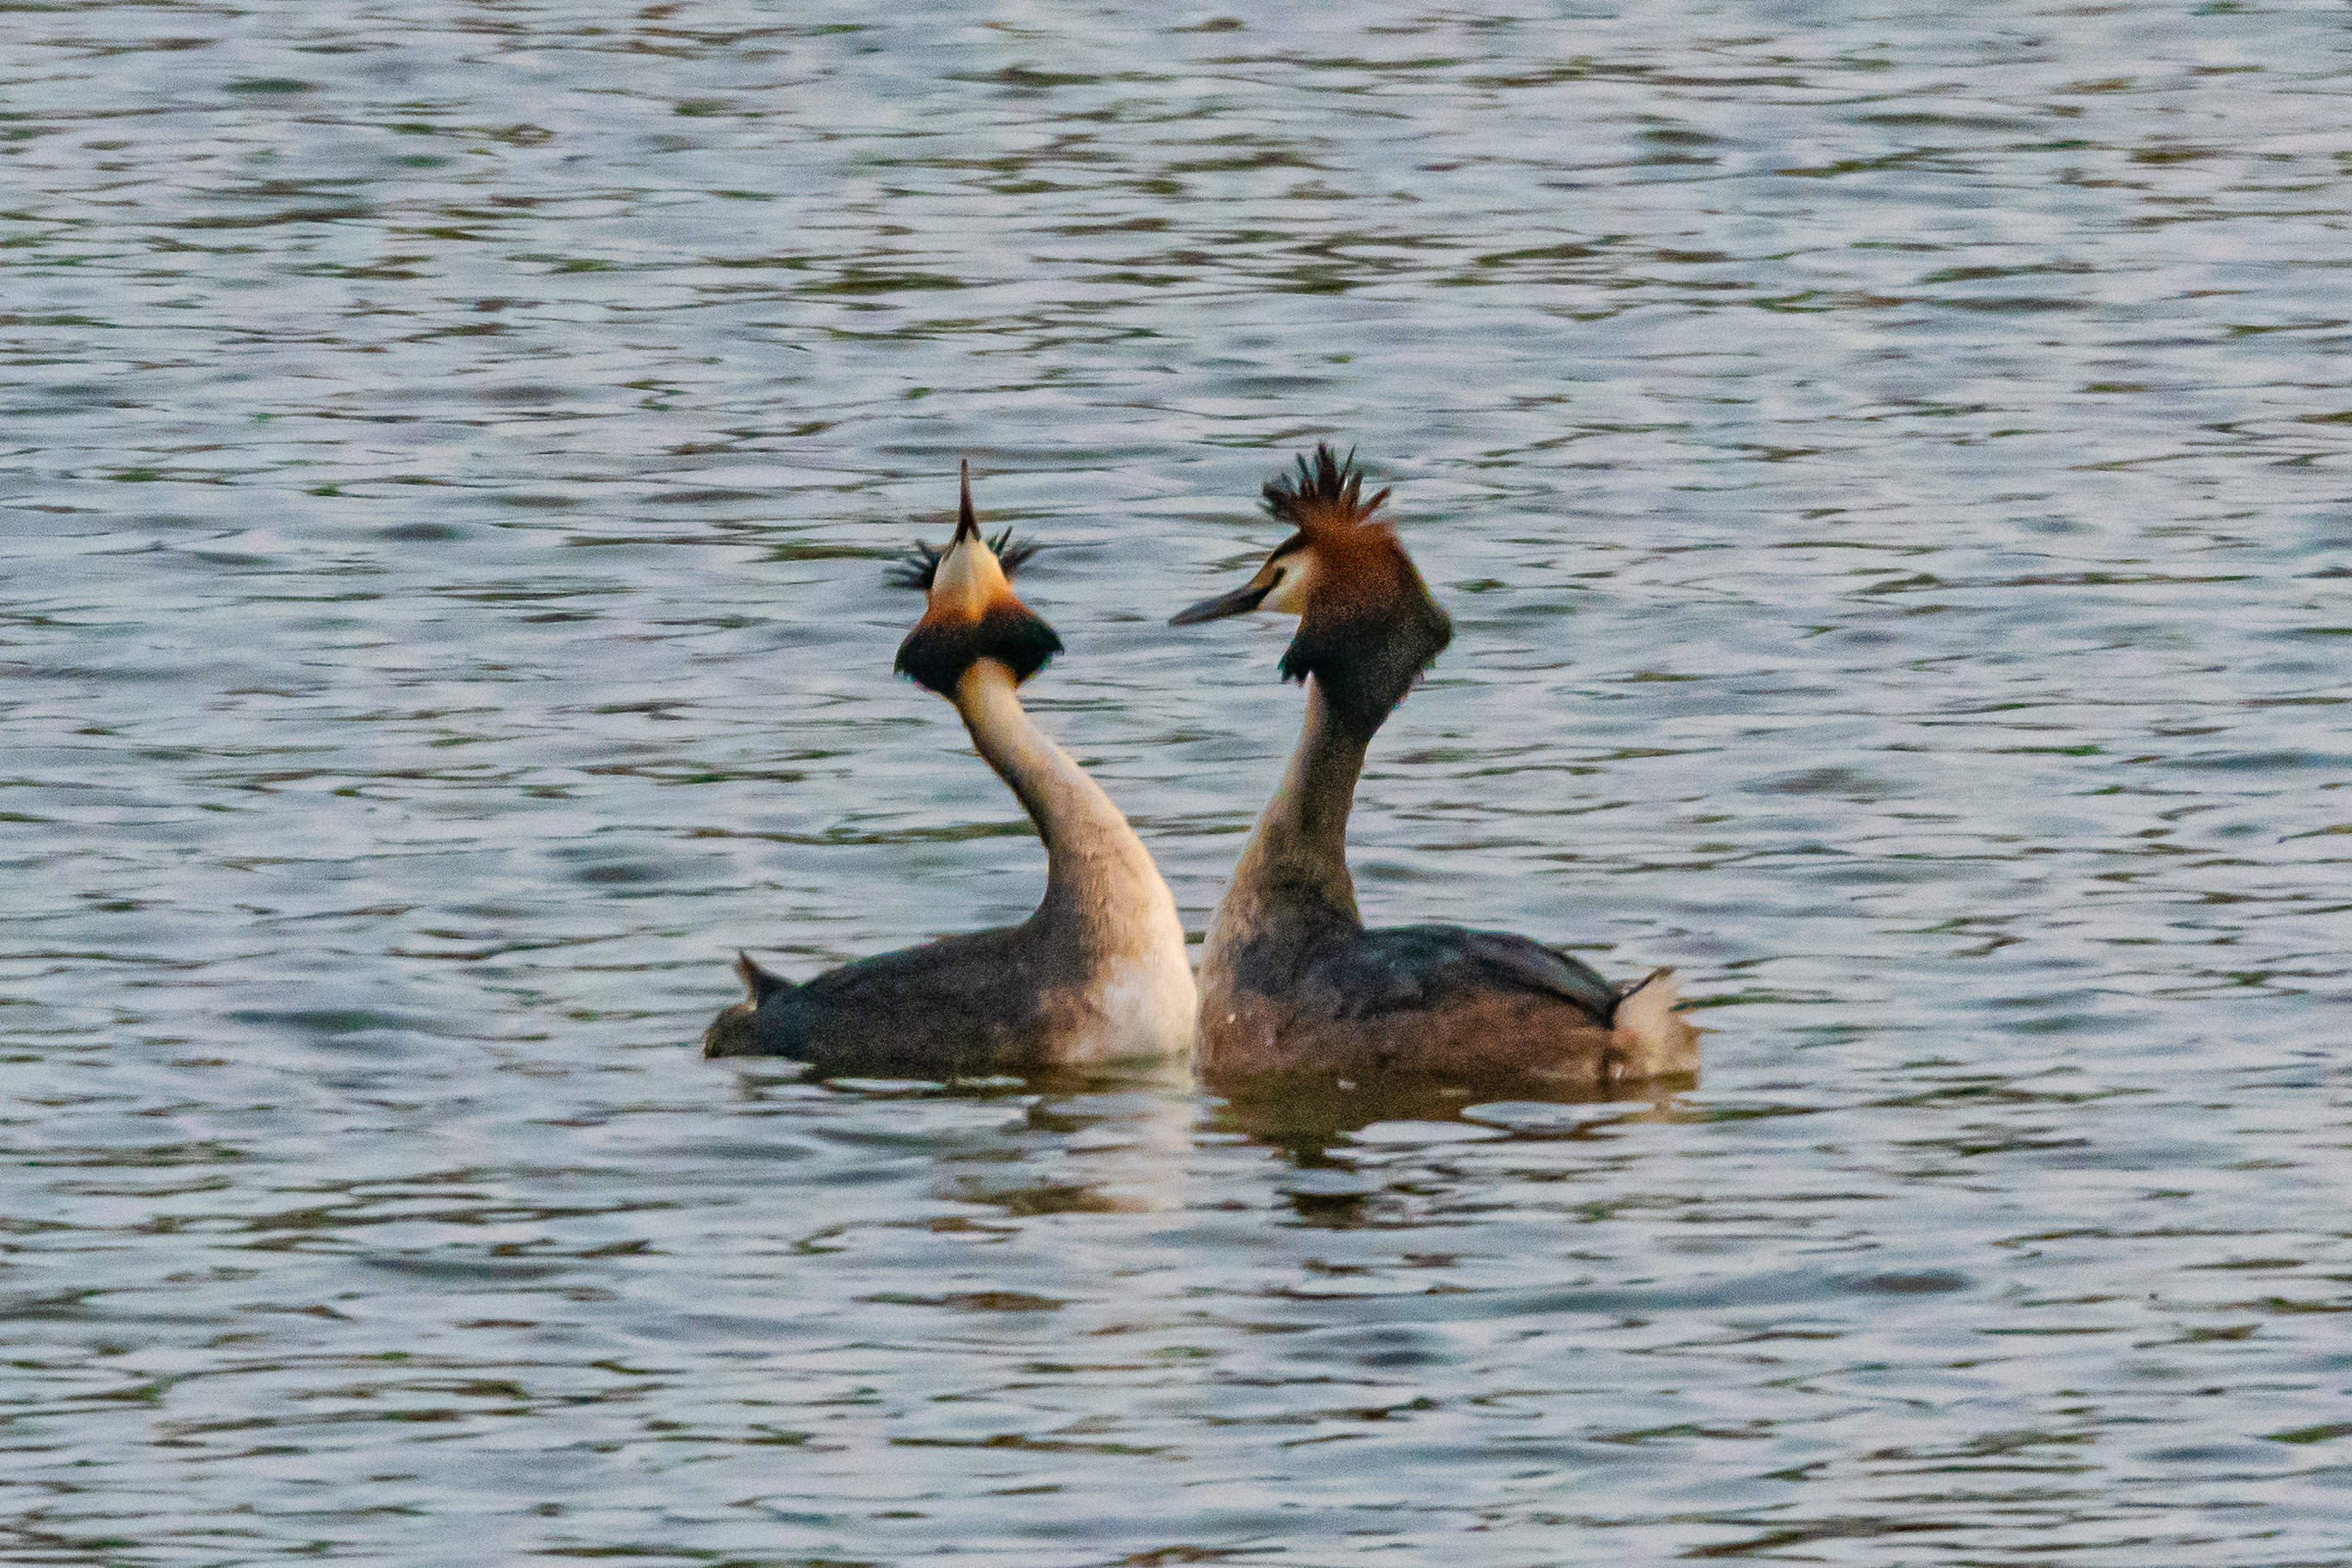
967	520
1240	602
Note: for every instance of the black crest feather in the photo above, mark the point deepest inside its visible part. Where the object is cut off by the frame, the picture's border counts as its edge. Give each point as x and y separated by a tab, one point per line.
1327	490
921	567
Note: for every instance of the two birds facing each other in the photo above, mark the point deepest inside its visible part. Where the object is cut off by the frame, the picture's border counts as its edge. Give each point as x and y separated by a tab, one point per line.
1291	983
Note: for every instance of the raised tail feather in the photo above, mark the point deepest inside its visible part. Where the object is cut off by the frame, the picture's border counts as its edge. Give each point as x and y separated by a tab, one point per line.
758	984
1653	1037
736	1031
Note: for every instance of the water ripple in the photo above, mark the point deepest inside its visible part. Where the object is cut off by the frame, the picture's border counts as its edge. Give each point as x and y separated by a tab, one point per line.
1888	476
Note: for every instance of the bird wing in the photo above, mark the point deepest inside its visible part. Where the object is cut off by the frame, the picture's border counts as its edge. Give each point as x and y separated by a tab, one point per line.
1407	968
951	978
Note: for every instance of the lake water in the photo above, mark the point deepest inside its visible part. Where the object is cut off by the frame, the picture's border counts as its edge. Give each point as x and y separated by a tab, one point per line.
1888	470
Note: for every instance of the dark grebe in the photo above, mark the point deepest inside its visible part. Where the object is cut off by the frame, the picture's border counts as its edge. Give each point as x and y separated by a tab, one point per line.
1291	982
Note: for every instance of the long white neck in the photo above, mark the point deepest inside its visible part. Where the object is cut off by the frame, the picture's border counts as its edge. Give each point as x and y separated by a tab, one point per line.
1294	868
1098	876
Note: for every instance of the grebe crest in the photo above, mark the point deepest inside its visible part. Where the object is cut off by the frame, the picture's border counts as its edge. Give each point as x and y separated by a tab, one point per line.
971	611
1367	625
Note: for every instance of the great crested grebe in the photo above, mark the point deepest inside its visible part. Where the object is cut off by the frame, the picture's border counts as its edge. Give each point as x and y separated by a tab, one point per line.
1098	974
1291	982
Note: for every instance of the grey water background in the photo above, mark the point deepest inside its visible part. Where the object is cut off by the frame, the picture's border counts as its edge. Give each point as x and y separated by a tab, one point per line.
1887	467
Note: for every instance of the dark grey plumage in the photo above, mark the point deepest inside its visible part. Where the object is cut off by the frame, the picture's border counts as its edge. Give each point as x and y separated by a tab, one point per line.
1412	967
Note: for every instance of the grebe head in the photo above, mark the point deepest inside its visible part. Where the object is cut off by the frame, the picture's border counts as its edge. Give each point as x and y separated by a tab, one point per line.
971	612
1367	626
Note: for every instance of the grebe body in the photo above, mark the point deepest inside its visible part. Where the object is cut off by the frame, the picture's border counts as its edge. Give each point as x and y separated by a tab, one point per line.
1292	984
1098	975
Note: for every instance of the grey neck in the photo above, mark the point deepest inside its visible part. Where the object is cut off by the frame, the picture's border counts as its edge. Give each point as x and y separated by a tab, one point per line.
1295	867
1097	874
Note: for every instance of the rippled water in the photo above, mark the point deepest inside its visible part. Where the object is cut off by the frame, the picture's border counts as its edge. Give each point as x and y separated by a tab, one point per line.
1888	470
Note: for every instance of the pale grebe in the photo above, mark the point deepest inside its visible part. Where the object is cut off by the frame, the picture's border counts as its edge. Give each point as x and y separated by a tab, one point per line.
1098	974
1291	982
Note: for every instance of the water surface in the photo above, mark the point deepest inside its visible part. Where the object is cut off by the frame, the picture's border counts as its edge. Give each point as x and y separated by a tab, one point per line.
1889	471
